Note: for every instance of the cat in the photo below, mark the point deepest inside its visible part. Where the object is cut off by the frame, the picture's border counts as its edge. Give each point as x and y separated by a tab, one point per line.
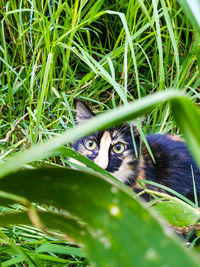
113	150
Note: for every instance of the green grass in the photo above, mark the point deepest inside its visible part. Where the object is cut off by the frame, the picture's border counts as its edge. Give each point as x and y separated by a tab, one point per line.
107	53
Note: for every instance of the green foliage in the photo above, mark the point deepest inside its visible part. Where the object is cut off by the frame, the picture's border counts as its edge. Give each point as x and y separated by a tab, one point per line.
112	218
114	215
107	53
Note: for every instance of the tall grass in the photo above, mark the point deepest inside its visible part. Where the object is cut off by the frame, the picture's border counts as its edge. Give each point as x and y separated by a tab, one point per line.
104	52
88	47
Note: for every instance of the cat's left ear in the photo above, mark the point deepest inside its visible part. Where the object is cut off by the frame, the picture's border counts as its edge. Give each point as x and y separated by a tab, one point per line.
83	112
135	129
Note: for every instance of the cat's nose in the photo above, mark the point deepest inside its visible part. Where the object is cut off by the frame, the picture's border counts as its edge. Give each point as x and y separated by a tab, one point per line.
102	162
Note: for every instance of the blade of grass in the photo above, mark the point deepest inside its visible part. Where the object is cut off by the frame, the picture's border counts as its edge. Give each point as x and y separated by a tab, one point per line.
114	117
170	191
128	36
42	96
171	33
160	47
18	249
192	10
194	187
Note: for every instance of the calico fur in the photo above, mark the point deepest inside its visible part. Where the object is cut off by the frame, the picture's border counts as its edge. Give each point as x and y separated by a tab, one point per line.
174	166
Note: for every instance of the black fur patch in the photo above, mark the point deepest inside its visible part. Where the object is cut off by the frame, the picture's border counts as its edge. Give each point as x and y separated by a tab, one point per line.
173	165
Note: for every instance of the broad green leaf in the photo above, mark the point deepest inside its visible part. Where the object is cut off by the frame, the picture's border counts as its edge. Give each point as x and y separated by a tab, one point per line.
187	117
116	227
189	124
177	212
114	117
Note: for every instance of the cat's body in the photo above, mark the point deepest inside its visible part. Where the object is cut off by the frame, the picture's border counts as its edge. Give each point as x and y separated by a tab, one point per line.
113	150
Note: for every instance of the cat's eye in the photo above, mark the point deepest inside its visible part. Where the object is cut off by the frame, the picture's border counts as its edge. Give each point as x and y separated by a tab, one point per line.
118	148
90	144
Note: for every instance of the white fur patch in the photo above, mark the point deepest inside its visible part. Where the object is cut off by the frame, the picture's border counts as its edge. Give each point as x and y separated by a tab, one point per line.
103	157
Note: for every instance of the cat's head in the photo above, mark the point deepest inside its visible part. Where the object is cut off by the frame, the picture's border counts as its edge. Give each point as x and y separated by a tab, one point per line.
111	149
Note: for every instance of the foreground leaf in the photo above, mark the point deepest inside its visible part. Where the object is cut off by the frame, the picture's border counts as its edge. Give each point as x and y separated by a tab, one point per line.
187	117
116	228
112	118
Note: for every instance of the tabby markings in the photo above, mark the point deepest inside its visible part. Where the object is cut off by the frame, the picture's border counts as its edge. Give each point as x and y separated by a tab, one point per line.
103	157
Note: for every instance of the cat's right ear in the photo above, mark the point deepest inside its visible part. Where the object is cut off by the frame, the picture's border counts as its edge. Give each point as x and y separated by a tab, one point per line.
83	112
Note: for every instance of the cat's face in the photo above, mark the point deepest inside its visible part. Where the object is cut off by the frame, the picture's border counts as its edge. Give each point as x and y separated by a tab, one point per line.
111	149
